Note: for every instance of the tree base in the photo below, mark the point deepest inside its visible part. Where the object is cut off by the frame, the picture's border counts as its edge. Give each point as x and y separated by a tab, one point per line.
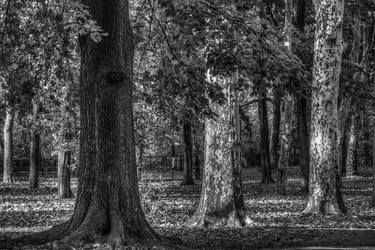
234	219
8	179
323	208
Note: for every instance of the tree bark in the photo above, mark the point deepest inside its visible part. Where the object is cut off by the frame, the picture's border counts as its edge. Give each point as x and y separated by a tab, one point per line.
325	194
351	161
188	155
63	174
264	138
275	127
108	205
221	203
373	166
8	146
35	160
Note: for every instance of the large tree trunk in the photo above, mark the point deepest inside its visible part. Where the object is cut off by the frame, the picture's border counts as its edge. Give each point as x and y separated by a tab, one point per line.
188	159
63	174
325	196
221	203
264	138
8	146
351	161
108	204
34	149
275	127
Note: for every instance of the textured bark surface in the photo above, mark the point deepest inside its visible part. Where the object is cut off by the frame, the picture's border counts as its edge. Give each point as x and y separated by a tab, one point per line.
34	150
373	163
325	195
221	202
188	155
275	127
8	146
264	137
63	174
108	205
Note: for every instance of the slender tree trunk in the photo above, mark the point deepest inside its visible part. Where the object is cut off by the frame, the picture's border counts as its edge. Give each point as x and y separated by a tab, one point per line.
303	106
264	138
63	174
188	162
34	149
351	161
275	127
373	166
342	134
221	202
285	148
325	182
8	146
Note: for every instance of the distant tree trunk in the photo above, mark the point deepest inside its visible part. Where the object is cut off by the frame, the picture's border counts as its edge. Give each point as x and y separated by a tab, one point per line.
303	106
325	182
287	113
8	146
34	149
63	173
373	169
221	203
351	161
188	155
264	138
275	127
285	144
342	134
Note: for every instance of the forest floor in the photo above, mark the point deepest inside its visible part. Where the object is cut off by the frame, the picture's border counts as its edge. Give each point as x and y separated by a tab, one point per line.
277	220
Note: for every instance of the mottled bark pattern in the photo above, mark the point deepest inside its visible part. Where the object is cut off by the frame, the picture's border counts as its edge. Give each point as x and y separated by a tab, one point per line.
8	146
34	149
188	156
324	195
219	205
373	163
285	144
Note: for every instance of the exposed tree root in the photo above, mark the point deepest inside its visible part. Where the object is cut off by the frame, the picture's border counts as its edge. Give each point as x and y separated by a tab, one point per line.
235	219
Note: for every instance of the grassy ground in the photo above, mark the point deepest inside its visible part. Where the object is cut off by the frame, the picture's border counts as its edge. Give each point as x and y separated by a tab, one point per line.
277	220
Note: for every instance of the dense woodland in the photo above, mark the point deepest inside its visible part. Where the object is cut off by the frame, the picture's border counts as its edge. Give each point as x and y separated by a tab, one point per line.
94	92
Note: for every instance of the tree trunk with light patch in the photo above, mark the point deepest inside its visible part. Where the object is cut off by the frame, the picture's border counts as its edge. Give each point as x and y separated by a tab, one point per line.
285	144
351	161
63	174
8	146
325	195
221	203
188	156
34	150
264	138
